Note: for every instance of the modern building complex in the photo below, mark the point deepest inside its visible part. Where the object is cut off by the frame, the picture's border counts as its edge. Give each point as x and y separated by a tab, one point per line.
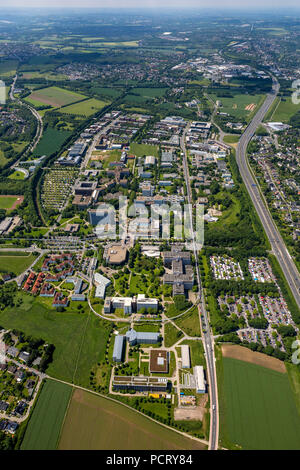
138	337
118	348
101	283
141	384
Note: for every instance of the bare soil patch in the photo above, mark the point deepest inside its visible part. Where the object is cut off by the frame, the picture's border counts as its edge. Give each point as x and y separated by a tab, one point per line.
245	354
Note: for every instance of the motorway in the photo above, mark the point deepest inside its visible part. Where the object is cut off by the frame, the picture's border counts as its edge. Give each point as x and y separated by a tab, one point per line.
277	244
207	336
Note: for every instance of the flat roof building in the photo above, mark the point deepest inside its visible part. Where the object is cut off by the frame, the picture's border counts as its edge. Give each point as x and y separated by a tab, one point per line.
185	356
142	337
159	361
118	348
141	384
115	253
101	284
199	379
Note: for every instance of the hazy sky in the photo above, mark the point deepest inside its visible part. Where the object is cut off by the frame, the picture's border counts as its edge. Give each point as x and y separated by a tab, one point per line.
265	4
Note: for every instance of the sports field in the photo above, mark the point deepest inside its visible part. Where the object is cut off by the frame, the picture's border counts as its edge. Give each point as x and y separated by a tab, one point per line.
85	108
45	423
54	96
94	423
257	407
10	202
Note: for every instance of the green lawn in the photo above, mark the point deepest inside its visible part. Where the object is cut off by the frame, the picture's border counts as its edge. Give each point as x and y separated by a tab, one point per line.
257	408
45	423
172	335
16	264
143	149
189	322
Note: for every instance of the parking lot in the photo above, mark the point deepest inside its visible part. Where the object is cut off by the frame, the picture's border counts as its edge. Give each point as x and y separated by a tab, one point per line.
226	268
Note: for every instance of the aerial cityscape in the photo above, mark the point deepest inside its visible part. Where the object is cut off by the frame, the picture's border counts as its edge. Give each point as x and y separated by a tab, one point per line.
149	228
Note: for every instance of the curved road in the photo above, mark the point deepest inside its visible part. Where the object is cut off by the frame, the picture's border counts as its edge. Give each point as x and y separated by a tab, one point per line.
39	129
278	246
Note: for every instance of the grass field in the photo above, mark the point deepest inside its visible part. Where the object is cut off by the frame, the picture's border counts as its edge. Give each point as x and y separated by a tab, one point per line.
189	322
236	106
85	108
79	339
16	264
95	423
17	175
7	202
143	149
44	426
285	110
55	96
257	407
51	141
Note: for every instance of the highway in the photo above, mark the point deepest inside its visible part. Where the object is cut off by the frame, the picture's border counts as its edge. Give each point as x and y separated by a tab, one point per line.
277	244
207	336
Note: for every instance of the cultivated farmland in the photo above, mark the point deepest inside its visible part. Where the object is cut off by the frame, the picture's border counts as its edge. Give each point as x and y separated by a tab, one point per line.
257	407
95	423
54	96
47	418
51	142
85	108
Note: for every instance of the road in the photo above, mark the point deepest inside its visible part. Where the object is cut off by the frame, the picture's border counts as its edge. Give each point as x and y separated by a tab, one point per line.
39	129
207	336
277	244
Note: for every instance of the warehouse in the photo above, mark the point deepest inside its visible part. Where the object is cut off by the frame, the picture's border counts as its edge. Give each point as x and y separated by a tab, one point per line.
185	356
118	348
199	379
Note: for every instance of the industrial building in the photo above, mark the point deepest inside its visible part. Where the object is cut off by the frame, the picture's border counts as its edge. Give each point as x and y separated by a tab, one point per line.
199	379
185	356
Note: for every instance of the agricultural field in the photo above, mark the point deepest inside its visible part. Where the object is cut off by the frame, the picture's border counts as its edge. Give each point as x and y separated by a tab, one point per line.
8	68
15	262
94	423
241	106
45	423
257	407
54	97
77	350
85	108
285	110
51	142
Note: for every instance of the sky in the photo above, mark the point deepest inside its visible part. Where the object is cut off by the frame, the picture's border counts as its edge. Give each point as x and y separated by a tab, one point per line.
221	4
